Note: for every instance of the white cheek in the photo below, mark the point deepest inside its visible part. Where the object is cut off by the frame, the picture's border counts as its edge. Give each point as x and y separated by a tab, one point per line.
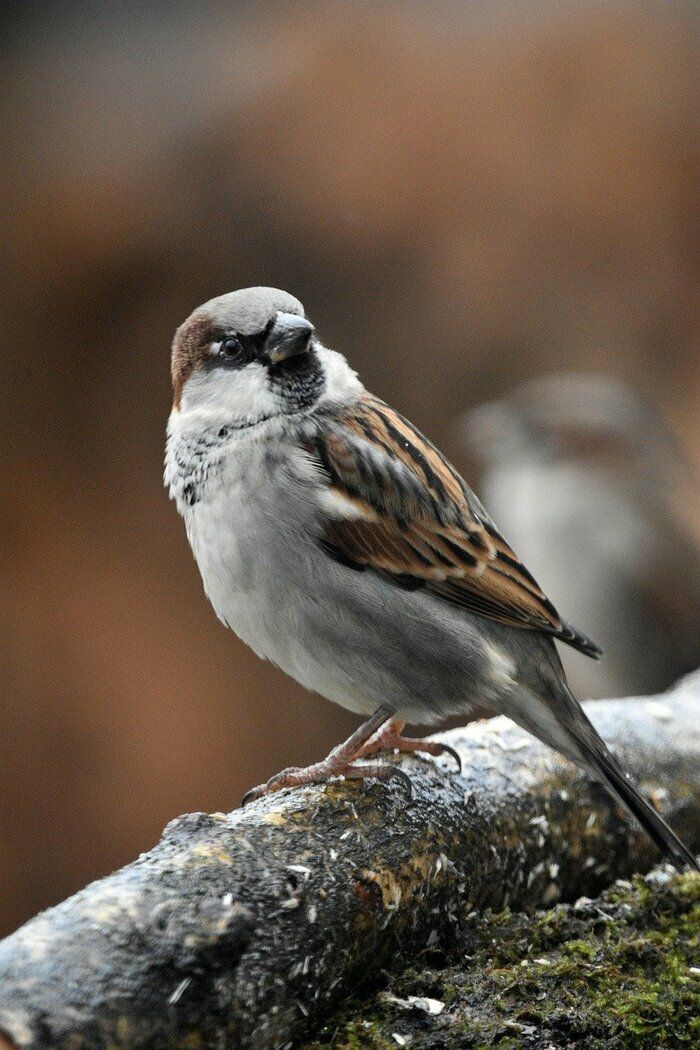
342	385
236	395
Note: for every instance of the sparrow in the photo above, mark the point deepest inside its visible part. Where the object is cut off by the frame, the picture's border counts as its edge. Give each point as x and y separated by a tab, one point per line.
336	541
611	532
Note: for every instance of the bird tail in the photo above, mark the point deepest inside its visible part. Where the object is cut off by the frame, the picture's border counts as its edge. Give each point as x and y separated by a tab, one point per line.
573	735
575	637
605	769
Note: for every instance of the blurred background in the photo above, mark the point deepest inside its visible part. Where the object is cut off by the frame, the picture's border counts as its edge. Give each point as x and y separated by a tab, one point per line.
467	197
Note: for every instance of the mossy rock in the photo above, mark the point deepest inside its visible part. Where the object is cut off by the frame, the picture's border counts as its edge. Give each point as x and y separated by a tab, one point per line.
618	971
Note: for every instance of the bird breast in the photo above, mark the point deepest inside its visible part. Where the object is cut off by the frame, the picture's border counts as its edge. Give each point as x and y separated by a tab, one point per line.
250	512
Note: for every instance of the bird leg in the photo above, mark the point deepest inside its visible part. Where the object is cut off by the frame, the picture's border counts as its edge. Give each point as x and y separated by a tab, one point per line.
340	762
388	738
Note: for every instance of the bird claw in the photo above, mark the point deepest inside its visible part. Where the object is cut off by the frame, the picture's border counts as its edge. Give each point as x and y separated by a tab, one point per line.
446	749
410	746
295	776
380	771
437	748
253	793
276	783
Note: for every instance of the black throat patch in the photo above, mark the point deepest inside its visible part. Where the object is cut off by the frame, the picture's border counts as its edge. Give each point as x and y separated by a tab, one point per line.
299	381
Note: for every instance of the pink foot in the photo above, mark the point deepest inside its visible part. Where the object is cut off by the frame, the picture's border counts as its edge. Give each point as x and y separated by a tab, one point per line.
341	762
389	738
321	773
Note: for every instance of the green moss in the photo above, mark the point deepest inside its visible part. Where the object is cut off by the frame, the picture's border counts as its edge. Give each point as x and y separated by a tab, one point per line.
614	972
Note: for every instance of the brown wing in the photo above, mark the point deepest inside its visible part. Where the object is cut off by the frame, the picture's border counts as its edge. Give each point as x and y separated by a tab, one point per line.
395	505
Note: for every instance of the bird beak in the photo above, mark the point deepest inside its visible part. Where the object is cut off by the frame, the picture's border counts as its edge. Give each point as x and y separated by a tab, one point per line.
289	336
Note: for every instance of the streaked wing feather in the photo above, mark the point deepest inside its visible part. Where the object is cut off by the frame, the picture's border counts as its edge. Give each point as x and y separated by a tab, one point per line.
403	511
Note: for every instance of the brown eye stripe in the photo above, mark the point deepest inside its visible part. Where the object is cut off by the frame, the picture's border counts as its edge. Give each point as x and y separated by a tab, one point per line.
189	352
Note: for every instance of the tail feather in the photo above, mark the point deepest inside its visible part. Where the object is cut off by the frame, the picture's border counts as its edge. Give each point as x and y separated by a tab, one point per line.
574	637
557	718
604	767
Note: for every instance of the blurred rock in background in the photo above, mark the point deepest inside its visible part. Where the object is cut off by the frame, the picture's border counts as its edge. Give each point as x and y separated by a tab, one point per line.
464	197
589	487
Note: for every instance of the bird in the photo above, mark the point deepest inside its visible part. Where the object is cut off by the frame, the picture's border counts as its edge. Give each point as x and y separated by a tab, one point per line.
584	476
339	543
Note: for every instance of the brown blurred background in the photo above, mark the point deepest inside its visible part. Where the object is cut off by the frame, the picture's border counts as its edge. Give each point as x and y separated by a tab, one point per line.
464	195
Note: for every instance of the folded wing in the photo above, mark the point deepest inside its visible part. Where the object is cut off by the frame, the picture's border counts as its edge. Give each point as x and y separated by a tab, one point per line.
396	506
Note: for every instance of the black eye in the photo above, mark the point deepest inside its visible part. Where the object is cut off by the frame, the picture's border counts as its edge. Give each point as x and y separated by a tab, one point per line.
231	347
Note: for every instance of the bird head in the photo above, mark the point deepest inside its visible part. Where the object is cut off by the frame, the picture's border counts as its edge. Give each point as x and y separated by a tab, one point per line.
250	356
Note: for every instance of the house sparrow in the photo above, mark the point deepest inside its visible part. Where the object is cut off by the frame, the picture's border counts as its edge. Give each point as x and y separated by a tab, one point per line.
591	488
339	543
